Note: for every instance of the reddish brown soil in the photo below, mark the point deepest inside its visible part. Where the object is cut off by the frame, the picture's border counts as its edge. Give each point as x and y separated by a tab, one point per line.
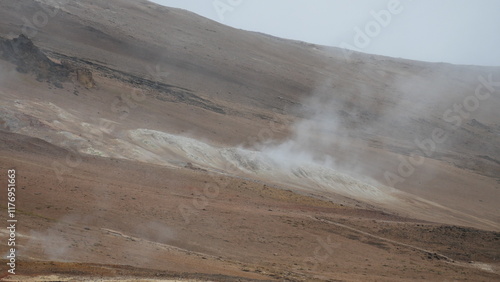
112	210
133	215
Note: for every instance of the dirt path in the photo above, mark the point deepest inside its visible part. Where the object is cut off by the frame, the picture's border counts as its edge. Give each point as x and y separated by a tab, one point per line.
429	253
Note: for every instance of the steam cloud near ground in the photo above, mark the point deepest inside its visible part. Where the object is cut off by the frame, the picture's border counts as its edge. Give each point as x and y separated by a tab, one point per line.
330	119
338	123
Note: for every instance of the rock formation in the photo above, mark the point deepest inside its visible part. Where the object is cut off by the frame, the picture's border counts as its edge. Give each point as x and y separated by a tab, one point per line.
30	59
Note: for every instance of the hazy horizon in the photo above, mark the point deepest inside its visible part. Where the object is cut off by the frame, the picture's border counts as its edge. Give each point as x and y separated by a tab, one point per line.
457	32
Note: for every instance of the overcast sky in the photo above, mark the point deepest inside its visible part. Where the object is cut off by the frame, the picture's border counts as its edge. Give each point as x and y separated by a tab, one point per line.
453	31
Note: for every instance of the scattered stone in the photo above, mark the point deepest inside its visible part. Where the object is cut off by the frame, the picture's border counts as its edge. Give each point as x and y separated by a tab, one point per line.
84	77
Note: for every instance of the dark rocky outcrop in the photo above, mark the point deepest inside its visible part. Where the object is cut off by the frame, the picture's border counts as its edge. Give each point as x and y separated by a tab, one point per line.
28	58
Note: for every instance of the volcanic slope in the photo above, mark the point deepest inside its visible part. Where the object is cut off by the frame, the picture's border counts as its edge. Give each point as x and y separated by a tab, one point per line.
198	148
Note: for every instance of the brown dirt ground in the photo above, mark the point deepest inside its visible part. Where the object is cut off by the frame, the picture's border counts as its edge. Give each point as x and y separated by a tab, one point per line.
113	218
131	216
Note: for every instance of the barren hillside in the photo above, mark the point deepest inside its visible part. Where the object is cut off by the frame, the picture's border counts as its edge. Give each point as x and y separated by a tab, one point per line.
151	142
